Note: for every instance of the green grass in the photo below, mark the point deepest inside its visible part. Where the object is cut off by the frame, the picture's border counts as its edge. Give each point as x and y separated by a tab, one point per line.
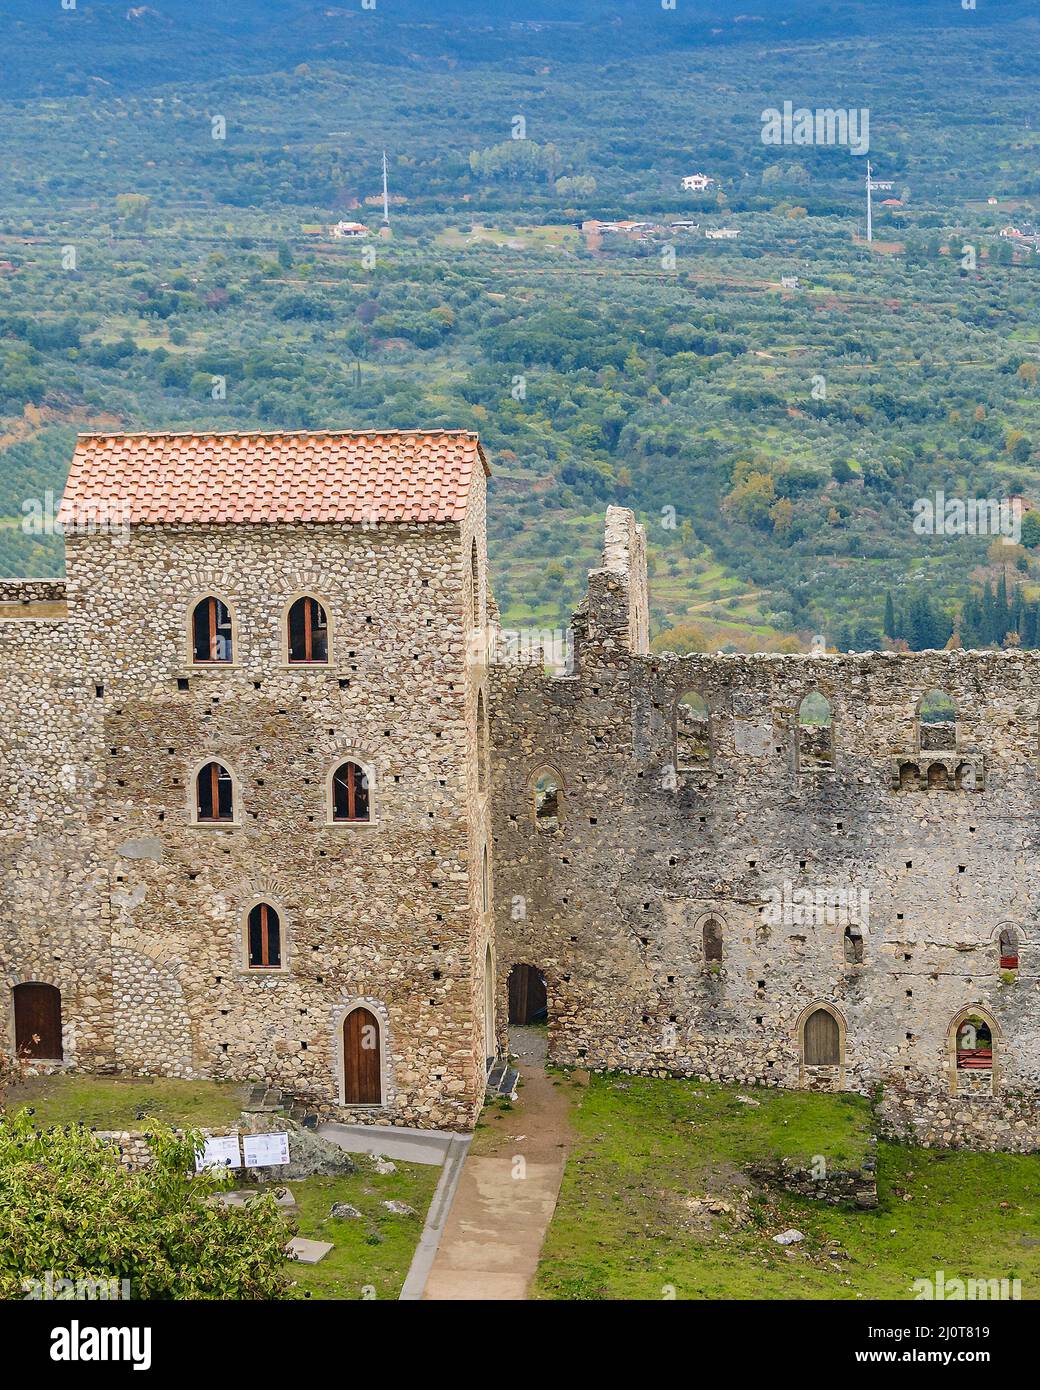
371	1256
646	1148
108	1102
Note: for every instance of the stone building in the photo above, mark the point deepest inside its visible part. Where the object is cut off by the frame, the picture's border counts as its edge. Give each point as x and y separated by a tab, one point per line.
804	871
243	787
257	746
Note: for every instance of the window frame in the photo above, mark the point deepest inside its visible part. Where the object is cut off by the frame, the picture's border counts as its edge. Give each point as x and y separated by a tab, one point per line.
368	771
308	665
193	795
212	596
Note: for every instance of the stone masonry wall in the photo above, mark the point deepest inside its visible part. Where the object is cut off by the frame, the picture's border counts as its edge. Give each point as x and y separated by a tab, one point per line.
112	893
612	901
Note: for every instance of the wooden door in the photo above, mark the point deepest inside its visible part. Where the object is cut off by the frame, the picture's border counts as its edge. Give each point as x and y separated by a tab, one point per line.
821	1040
37	1021
361	1059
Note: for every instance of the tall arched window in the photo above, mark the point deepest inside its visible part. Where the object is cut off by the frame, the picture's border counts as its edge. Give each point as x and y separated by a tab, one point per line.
350	799
712	936
264	932
214	794
815	733
482	744
936	723
1008	949
308	632
547	793
211	636
821	1039
692	732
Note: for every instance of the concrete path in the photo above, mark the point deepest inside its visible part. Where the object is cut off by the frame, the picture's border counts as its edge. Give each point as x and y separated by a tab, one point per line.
493	1237
392	1141
436	1219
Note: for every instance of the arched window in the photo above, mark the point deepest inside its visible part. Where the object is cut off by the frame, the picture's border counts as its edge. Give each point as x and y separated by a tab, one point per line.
692	732
815	733
211	637
308	632
853	943
547	790
821	1039
1008	949
214	794
936	723
712	936
482	744
264	934
974	1044
350	800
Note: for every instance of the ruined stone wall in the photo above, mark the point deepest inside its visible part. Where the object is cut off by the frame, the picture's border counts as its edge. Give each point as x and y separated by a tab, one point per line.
138	915
611	902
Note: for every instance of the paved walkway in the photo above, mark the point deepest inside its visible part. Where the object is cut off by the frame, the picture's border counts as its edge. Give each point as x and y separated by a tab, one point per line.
392	1141
492	1239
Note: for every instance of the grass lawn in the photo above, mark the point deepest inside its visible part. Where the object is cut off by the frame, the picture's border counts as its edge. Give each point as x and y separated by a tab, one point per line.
110	1102
374	1252
647	1149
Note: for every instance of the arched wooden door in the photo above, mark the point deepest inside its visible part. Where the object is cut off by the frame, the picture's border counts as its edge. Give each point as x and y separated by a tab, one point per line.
37	1021
362	1054
822	1040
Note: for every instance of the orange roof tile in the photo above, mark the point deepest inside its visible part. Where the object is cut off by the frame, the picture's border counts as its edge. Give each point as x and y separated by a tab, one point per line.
307	476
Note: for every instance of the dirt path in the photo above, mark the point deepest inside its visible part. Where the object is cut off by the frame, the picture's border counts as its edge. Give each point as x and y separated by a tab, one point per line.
508	1190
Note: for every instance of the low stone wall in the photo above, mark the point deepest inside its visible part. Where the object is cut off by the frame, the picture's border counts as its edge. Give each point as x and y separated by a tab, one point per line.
135	1151
852	1187
1006	1123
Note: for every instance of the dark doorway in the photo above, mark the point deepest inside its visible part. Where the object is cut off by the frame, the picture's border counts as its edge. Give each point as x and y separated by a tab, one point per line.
362	1072
37	1021
528	997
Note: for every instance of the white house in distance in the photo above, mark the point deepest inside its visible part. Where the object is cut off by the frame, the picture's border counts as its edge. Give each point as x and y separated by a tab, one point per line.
351	230
697	183
721	233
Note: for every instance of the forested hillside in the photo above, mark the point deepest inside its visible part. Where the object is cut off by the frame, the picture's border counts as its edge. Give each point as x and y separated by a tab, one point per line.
772	404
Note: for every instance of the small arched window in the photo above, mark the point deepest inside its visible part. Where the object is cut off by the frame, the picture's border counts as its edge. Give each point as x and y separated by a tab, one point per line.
211	637
308	632
482	744
712	940
1008	949
821	1040
974	1045
853	942
265	938
214	794
692	732
936	723
815	733
350	800
548	800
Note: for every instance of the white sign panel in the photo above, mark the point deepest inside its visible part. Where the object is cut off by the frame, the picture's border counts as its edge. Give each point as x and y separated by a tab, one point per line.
221	1151
265	1150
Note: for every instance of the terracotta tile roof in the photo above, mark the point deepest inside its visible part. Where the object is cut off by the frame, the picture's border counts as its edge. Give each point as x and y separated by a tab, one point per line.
307	476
